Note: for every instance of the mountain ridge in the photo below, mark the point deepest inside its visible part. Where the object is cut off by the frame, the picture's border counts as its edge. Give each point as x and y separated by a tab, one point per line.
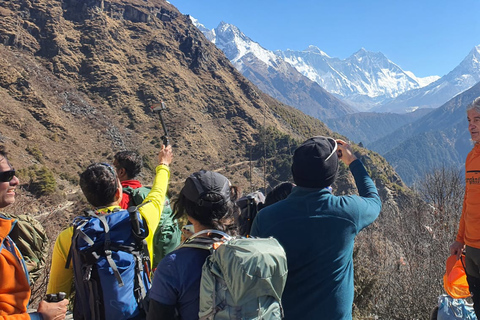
461	78
364	79
272	75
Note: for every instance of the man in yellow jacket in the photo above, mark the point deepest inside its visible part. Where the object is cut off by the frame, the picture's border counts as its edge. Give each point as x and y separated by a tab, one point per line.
468	236
14	283
105	196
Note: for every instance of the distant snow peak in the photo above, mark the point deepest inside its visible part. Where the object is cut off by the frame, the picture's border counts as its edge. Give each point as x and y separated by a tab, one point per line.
477	49
425	81
366	80
411	109
209	34
237	45
316	50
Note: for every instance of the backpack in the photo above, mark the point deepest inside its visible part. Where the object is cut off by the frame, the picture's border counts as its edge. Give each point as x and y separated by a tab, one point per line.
111	265
243	278
31	240
249	206
453	309
167	235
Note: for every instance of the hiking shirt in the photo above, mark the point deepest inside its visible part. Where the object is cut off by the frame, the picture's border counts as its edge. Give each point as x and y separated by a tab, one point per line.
61	279
469	227
176	281
14	284
317	230
134	184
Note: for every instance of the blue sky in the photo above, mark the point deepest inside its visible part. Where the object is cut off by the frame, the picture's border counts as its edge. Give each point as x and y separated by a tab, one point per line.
427	37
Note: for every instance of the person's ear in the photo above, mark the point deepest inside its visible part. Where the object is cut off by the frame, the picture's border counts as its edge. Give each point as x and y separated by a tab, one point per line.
122	173
119	192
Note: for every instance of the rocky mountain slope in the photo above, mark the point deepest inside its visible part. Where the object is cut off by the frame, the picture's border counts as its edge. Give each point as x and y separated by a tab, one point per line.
78	78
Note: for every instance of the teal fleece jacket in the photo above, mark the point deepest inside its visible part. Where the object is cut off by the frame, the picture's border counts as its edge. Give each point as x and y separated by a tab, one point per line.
317	230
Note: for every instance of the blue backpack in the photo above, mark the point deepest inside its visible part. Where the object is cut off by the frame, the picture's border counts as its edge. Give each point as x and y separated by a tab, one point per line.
111	265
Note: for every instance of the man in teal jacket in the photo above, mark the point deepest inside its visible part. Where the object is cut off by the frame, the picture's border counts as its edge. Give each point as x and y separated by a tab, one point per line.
317	230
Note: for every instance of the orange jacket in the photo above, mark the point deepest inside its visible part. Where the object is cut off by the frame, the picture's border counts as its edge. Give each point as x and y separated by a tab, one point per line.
14	287
469	228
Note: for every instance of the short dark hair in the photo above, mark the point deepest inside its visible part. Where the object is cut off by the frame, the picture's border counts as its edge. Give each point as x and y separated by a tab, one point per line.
279	192
99	184
3	153
130	161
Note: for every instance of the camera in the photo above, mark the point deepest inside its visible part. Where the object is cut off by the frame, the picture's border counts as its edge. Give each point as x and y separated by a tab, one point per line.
56	297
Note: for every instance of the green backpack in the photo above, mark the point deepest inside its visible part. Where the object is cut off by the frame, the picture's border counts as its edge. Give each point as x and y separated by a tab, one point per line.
243	278
32	241
168	235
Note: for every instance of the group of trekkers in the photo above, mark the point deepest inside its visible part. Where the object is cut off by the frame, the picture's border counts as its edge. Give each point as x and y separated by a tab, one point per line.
295	262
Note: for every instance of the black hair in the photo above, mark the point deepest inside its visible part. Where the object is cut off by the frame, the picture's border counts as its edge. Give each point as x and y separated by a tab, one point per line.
3	153
279	192
218	217
130	161
99	184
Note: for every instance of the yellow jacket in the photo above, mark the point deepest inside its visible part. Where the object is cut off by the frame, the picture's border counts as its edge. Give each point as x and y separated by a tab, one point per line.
469	228
61	279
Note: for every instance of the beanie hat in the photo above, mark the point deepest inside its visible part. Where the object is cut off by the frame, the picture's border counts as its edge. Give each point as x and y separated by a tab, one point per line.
204	182
315	163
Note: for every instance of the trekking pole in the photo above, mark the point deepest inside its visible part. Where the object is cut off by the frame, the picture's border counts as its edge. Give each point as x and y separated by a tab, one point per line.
159	107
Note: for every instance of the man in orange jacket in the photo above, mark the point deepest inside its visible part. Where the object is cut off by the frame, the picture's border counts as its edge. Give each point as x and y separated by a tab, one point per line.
14	283
468	236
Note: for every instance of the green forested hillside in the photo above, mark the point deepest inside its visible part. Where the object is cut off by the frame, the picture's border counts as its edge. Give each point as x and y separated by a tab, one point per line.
440	138
367	127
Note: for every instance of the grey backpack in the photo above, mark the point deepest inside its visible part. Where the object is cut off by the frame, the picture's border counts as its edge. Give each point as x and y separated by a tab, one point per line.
243	278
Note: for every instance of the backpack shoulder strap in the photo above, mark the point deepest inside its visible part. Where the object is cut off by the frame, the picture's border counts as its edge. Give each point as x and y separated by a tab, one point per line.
128	190
77	225
32	241
208	239
199	243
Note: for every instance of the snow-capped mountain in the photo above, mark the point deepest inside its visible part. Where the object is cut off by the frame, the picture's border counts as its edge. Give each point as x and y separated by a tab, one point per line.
463	77
273	75
209	34
237	45
364	79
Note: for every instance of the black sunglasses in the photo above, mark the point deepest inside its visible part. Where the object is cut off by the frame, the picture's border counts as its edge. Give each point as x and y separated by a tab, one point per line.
7	176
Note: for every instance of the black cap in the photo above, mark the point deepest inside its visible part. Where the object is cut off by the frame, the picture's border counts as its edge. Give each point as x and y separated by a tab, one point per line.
315	163
204	182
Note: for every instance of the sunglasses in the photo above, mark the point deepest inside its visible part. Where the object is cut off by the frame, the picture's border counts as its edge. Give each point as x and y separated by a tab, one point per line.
7	176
